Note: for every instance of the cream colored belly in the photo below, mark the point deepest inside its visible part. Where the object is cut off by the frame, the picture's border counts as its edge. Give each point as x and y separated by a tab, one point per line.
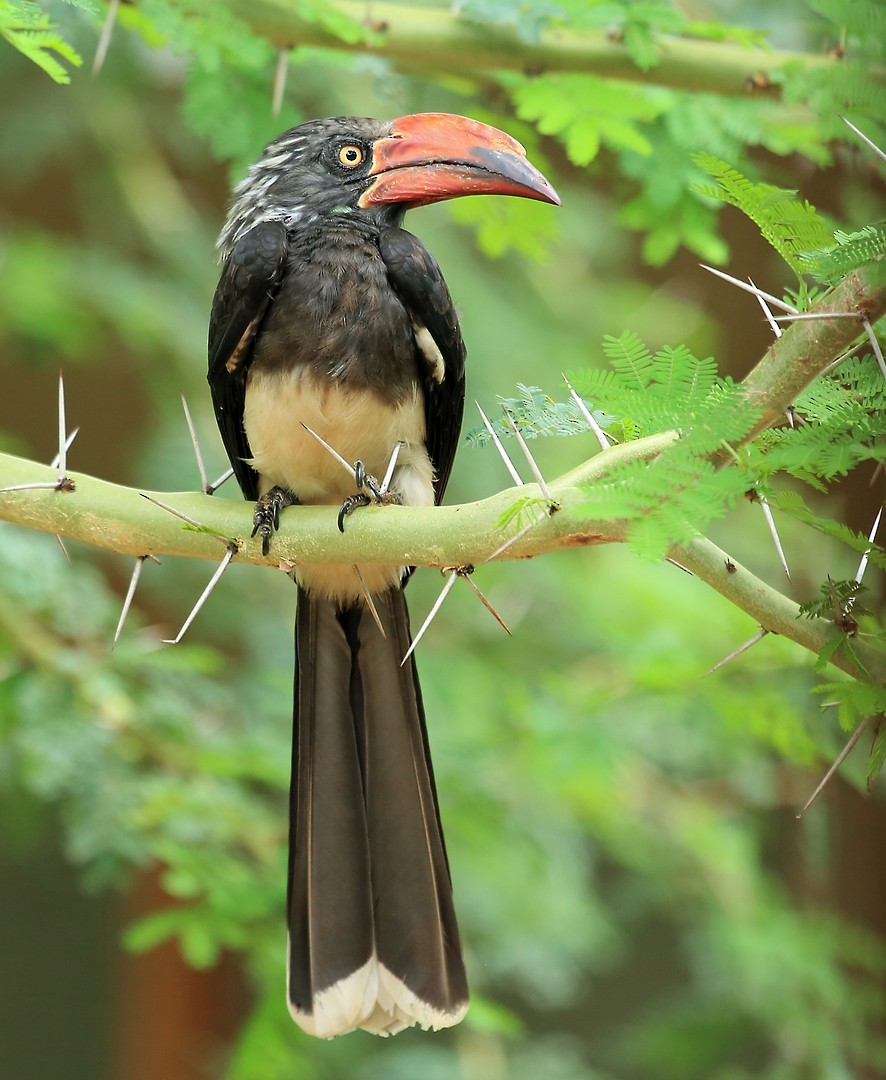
358	425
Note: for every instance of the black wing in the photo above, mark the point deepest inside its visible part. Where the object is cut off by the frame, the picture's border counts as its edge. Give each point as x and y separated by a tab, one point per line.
416	278
250	278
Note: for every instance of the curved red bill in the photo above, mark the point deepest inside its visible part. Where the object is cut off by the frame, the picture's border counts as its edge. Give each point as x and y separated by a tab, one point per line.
429	157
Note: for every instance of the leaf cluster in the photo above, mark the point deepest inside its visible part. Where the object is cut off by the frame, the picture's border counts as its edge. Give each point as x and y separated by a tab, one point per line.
28	28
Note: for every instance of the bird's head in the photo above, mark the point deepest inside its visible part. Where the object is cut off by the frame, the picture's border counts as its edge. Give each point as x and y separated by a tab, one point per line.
378	168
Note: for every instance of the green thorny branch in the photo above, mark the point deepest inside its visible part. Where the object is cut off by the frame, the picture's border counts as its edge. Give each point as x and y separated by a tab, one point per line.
122	520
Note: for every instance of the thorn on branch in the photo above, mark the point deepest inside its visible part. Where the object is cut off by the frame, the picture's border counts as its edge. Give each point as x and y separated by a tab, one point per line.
204	596
280	71
553	505
751	289
599	433
195	442
130	593
509	465
841	757
104	40
211	489
864	138
444	592
736	652
875	345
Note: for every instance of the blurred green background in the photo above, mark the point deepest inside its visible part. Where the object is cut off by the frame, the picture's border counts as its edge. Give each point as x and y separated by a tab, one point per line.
637	897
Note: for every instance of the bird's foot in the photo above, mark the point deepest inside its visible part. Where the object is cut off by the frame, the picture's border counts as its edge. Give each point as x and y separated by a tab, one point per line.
266	517
377	494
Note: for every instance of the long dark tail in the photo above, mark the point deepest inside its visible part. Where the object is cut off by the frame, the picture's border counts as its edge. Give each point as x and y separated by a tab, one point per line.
373	938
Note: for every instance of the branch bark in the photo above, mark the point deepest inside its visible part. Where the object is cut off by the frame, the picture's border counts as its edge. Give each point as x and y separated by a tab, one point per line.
435	39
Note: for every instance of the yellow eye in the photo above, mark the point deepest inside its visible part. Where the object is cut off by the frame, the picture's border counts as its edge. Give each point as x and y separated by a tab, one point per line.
351	156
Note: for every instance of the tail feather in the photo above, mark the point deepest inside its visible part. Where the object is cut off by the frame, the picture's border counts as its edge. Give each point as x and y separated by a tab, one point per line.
374	941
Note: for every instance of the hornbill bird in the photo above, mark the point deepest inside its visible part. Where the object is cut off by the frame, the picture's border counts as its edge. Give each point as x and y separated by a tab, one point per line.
329	316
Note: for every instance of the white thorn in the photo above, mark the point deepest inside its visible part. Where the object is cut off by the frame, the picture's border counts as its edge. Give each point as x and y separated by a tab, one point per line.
61	544
444	592
875	345
485	602
279	81
736	652
171	510
863	565
204	596
513	540
370	603
54	463
32	487
748	288
195	442
105	39
225	476
588	416
864	138
811	316
130	593
841	757
776	329
527	453
389	472
770	521
344	464
509	465
62	437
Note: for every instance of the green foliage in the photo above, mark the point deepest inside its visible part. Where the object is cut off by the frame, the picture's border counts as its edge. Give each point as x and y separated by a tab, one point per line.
586	112
610	814
851	251
31	30
791	225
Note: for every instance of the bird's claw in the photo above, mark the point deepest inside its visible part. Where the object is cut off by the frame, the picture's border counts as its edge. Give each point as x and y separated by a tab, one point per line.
266	516
360	498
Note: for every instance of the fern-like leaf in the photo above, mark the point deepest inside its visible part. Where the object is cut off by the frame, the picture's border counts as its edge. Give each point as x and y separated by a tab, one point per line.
851	251
30	30
791	225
